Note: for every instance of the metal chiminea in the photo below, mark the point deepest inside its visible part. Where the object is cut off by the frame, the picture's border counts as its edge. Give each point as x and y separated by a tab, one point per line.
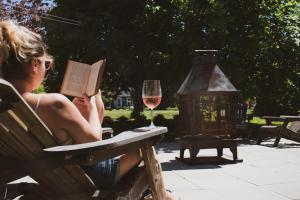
207	107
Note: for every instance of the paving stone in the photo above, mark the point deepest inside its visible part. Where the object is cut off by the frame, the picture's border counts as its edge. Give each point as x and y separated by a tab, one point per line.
288	189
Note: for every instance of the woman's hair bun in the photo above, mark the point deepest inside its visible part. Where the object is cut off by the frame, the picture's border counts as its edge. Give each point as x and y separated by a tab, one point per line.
18	46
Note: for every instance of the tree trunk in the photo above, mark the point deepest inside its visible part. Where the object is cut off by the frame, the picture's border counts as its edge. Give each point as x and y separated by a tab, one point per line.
136	95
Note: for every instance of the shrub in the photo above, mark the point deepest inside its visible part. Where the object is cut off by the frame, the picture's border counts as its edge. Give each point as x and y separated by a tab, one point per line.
107	122
123	124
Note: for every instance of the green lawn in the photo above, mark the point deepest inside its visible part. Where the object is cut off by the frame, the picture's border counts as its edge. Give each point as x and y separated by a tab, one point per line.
257	120
116	113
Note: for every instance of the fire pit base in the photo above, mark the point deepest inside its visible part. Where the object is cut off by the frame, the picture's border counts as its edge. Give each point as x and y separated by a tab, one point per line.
202	141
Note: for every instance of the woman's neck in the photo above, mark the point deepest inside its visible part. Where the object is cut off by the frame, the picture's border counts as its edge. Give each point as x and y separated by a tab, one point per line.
22	86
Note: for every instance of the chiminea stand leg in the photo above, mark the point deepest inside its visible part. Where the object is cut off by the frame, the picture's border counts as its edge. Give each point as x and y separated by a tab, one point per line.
182	149
193	153
220	151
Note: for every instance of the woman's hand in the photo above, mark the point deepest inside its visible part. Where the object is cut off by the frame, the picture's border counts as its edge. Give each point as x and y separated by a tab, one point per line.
84	105
88	109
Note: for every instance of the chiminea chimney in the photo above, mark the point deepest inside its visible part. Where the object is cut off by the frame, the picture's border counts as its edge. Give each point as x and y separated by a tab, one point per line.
205	75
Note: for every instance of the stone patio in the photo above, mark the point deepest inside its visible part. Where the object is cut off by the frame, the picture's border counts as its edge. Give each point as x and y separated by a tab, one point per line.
265	173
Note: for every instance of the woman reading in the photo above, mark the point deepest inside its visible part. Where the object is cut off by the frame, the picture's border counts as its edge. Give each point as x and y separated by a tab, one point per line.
24	62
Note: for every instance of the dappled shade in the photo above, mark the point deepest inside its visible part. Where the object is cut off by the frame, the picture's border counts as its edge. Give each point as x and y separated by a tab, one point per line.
205	76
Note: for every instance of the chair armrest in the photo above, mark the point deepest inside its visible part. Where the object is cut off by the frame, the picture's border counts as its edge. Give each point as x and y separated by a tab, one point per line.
90	153
122	139
270	119
290	118
87	153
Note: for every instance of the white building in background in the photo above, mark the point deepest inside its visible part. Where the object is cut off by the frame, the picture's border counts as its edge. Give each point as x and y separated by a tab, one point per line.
123	100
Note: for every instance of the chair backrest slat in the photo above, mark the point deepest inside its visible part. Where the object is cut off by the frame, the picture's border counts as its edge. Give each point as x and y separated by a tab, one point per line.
35	125
21	136
294	126
16	149
5	149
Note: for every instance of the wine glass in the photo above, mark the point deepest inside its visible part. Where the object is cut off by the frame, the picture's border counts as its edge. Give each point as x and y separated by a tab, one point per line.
151	96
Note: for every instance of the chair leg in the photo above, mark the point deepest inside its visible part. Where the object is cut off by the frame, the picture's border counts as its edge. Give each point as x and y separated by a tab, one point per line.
234	152
193	152
154	173
182	152
220	151
259	140
276	141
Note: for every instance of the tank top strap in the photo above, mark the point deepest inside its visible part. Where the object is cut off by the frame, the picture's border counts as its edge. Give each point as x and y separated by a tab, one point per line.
36	108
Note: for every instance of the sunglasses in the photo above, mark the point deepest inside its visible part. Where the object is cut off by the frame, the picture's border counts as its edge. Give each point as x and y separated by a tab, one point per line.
48	62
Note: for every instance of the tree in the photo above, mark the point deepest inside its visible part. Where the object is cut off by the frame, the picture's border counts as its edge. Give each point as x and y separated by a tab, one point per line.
277	64
259	48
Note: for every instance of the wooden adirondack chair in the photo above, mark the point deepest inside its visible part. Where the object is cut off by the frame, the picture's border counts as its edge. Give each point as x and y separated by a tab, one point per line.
27	148
290	129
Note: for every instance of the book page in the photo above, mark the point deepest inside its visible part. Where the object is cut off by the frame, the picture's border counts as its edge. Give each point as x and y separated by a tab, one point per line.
95	77
75	79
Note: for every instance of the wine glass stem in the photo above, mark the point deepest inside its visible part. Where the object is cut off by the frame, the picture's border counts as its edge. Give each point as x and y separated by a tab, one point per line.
152	124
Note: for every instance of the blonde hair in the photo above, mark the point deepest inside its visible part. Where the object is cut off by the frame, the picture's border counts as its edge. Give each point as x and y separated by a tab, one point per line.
18	46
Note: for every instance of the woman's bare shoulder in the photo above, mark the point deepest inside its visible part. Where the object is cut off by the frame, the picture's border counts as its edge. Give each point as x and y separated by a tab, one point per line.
55	106
55	99
49	102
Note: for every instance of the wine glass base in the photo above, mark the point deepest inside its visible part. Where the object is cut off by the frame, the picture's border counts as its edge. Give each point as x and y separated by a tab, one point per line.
152	126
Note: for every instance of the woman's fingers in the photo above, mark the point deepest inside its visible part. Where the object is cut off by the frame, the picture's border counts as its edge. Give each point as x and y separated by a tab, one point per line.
86	100
78	101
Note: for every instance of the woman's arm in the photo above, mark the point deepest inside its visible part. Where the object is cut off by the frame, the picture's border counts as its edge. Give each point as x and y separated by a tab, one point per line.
61	115
89	110
99	105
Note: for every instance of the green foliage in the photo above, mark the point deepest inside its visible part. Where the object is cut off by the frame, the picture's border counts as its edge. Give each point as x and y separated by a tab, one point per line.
40	90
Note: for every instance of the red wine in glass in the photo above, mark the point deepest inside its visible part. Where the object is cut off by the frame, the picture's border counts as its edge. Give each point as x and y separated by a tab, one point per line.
151	96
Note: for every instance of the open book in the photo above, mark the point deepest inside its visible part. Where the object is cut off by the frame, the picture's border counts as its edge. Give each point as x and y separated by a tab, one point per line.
82	78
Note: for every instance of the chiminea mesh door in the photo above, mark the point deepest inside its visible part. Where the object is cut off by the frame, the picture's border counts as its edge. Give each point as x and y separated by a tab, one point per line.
216	114
207	114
